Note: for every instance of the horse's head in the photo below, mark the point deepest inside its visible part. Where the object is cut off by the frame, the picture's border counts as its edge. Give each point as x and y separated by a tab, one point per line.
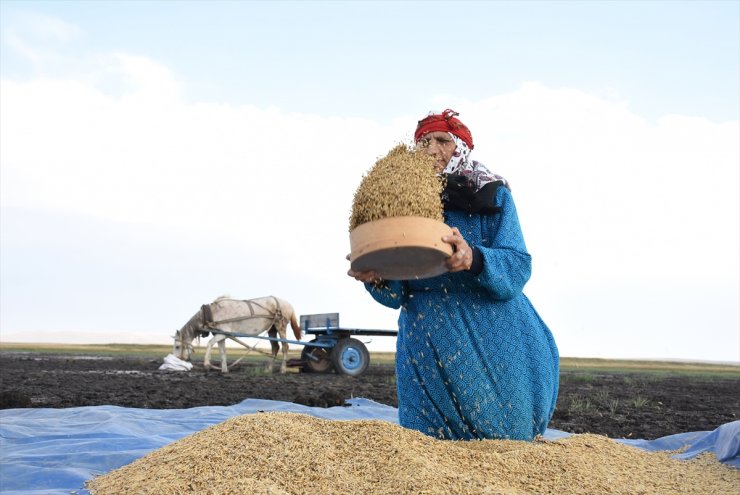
181	347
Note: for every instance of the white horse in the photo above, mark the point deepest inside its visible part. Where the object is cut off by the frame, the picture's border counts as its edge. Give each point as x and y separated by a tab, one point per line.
226	316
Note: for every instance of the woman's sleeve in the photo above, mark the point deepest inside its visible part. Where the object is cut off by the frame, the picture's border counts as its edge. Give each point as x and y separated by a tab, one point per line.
391	293
507	265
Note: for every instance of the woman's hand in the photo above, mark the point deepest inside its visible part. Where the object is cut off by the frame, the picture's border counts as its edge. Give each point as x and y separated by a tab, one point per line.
369	277
462	257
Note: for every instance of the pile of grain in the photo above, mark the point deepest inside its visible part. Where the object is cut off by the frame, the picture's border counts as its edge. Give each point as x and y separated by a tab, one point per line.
287	453
403	183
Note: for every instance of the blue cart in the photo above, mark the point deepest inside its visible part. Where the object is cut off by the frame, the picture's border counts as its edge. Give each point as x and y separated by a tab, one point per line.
334	347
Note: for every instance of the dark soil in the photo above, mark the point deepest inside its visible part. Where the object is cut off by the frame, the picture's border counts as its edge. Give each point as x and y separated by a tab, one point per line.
619	405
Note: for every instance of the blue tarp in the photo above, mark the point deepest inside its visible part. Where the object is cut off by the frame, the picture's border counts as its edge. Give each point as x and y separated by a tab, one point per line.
54	451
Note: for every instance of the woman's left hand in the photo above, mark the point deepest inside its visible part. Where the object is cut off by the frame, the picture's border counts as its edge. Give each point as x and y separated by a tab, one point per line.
462	258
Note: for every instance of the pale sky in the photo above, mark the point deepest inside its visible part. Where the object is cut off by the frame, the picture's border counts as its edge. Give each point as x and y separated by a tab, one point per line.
156	155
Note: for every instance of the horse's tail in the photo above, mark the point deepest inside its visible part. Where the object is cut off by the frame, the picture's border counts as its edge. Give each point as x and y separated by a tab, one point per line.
295	326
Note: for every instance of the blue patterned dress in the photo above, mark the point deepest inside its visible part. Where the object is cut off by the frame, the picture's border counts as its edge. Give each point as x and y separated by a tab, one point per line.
473	358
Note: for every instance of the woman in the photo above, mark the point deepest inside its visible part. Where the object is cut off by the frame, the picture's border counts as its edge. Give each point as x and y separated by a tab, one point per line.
473	360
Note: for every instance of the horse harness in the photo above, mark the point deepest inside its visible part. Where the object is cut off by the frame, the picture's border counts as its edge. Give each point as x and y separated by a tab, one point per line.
208	321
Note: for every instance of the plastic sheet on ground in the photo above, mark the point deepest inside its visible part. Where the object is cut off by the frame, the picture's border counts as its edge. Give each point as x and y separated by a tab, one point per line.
54	451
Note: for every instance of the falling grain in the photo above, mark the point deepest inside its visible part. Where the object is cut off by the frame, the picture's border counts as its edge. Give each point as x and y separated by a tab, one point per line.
403	183
287	453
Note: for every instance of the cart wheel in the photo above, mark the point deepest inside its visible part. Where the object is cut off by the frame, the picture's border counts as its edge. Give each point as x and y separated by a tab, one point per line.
350	357
316	359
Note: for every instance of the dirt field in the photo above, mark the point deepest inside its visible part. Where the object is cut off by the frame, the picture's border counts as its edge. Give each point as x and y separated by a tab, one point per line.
616	404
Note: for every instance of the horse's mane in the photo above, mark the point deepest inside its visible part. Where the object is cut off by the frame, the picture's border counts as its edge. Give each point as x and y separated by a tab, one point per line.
222	297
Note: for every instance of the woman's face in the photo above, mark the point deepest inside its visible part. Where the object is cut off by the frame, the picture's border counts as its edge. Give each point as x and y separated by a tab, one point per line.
440	145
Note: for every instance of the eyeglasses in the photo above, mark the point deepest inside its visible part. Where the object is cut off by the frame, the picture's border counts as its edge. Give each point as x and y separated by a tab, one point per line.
426	141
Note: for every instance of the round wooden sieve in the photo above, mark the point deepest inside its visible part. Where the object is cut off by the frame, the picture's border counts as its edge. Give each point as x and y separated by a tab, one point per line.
400	248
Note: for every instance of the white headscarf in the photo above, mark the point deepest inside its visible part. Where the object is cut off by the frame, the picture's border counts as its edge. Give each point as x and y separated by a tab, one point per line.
476	173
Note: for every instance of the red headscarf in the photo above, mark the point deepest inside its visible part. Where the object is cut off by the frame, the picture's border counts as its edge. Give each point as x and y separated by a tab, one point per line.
445	122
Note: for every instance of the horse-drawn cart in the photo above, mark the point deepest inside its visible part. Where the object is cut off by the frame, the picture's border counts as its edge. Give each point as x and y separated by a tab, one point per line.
334	347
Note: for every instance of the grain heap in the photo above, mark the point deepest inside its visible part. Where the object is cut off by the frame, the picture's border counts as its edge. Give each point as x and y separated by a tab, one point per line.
403	183
287	453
